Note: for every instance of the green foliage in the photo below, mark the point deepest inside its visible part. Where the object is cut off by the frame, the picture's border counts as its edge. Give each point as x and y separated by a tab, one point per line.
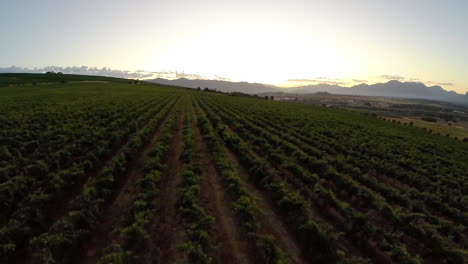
34	78
244	204
271	253
58	142
134	233
301	152
116	255
331	174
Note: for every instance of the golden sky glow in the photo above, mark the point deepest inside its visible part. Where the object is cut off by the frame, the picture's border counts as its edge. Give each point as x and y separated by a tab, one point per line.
342	42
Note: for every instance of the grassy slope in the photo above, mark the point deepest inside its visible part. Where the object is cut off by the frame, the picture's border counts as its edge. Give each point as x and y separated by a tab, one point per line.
7	79
437	127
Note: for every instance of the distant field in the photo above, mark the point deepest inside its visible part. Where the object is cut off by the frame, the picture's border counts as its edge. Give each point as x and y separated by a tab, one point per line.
403	110
454	130
7	79
110	172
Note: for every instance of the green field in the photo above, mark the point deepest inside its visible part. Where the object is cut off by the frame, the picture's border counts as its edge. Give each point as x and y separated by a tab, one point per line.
14	79
453	130
112	172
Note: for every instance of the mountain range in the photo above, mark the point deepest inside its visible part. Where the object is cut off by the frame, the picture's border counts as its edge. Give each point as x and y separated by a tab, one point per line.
412	90
223	86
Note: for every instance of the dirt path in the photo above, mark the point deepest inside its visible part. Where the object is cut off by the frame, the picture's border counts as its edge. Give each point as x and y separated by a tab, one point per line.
274	225
231	248
61	208
270	221
326	217
165	230
116	214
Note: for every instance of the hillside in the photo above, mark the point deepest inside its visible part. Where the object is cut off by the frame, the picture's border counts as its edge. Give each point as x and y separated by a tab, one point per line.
411	90
223	86
110	172
7	79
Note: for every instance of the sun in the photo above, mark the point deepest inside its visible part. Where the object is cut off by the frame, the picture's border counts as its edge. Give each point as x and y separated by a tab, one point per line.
253	53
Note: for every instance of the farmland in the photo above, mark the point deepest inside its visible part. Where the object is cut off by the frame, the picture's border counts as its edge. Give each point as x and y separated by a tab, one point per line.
114	172
446	119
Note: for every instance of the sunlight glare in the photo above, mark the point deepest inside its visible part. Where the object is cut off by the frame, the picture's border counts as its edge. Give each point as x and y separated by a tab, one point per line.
255	53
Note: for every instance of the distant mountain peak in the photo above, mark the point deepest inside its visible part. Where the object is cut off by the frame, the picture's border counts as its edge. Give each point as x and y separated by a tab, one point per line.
393	88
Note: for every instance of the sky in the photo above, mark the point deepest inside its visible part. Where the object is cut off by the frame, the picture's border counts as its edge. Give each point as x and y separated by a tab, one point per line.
286	43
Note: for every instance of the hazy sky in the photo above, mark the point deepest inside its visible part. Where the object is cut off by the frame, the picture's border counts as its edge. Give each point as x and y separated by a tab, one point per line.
249	40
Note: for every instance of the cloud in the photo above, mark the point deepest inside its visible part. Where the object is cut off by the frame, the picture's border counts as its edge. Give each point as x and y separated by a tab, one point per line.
392	77
301	80
334	82
440	83
220	78
401	78
83	70
106	71
321	80
359	81
445	83
189	76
